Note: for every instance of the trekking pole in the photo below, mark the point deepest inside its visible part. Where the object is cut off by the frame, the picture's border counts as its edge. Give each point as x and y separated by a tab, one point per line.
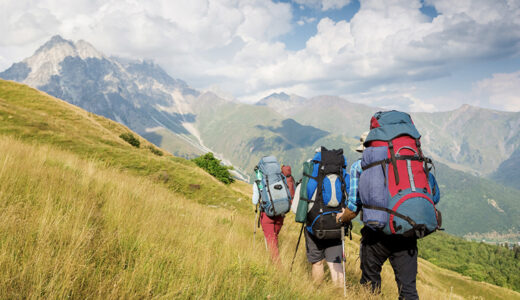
343	260
297	244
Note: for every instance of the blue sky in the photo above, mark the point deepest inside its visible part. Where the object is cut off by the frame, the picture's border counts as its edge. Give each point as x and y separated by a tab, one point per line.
296	39
414	55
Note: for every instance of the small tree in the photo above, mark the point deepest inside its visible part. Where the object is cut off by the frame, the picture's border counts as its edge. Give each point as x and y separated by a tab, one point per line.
214	167
131	139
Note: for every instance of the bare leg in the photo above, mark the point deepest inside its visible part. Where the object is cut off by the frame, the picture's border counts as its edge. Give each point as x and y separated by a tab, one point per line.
336	273
317	272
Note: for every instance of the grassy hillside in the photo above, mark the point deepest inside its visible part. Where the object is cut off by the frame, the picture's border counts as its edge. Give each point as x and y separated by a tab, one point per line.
75	228
85	215
495	264
244	133
473	204
508	173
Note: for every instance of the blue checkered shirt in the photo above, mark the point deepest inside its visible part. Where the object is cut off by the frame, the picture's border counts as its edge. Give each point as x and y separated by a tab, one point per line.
354	202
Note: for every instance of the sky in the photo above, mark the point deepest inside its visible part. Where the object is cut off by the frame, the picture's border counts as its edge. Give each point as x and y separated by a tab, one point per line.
413	55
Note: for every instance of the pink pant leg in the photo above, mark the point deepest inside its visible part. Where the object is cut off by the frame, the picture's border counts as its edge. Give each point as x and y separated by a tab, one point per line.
271	228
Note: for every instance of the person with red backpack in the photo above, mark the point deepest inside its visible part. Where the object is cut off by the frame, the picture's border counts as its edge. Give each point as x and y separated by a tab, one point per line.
393	187
273	192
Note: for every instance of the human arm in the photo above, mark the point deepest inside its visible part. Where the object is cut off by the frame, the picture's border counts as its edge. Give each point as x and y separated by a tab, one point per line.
353	203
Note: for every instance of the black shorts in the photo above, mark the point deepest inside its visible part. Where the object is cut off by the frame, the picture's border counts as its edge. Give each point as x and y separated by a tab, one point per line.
317	249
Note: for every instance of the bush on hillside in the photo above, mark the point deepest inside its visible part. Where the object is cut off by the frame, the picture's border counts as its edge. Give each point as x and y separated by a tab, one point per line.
214	167
131	139
155	151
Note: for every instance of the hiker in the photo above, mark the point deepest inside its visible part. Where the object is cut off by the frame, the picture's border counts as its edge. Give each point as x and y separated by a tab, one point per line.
390	231
322	233
273	194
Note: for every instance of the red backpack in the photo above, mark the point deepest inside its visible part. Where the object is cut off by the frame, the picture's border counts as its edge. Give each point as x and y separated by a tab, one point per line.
286	171
394	185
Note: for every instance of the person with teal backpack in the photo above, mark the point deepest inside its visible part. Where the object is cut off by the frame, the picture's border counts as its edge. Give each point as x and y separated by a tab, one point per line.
397	194
272	195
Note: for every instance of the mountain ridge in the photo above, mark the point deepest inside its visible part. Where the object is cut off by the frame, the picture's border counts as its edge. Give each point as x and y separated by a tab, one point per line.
188	123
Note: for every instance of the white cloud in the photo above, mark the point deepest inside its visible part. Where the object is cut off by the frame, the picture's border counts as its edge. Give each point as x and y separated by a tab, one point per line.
305	20
401	97
502	91
235	44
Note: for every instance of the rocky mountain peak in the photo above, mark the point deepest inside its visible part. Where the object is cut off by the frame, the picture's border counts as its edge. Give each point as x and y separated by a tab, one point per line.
281	96
53	42
46	61
86	50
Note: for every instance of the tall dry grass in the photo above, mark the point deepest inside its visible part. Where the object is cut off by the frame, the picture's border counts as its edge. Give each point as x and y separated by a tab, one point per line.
75	228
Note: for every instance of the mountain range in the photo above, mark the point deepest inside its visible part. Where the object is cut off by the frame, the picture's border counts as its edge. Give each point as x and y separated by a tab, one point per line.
477	150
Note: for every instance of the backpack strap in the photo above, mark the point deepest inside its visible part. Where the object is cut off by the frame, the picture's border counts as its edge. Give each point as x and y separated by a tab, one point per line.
343	185
392	212
426	169
394	164
269	191
310	176
319	187
398	157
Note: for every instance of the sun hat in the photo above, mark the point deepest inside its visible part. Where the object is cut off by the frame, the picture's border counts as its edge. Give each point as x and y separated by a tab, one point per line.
362	139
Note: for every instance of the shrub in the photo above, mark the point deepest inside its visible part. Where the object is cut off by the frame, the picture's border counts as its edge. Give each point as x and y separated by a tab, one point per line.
214	167
131	139
155	151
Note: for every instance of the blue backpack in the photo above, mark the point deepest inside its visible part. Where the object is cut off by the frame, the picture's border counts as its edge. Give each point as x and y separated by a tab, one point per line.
274	192
328	185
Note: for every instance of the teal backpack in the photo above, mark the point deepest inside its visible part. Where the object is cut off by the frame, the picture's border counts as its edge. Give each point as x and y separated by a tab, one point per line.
275	198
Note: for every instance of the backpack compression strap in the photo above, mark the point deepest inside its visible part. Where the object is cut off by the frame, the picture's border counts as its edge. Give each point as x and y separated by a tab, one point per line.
270	196
392	212
310	176
400	157
394	163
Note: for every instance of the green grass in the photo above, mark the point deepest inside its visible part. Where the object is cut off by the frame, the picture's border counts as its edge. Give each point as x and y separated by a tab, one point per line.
482	262
86	215
32	116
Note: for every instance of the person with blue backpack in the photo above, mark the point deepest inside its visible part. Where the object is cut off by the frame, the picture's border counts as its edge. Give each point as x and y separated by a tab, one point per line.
393	188
273	196
326	189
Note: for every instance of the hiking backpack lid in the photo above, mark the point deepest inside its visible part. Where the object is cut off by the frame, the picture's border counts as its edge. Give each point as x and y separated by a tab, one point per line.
275	195
387	125
327	185
395	184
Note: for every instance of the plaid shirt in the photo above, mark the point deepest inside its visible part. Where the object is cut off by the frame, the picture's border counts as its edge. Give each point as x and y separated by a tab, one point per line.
354	202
